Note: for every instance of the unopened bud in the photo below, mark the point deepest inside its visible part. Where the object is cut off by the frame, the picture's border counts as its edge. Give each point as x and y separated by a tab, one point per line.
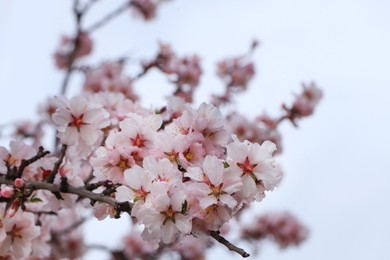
7	192
19	183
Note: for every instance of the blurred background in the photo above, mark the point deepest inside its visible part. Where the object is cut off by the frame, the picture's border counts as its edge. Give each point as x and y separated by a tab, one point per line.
336	163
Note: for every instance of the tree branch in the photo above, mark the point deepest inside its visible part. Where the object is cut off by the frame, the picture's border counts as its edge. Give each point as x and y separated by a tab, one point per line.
230	246
72	56
41	153
109	17
80	191
57	165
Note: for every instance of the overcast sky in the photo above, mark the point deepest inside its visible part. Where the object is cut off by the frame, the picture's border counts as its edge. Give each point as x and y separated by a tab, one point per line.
336	163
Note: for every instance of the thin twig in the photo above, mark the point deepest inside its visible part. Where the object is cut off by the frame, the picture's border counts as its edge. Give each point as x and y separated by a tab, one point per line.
73	226
57	165
230	246
76	44
109	17
41	153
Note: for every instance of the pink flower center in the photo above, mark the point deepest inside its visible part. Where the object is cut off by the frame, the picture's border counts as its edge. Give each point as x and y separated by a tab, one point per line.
138	141
172	156
216	190
246	166
140	194
169	215
77	122
188	155
123	163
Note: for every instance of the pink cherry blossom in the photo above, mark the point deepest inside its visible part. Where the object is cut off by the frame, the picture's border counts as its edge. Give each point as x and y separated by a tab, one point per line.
16	234
218	185
164	215
79	122
255	165
18	151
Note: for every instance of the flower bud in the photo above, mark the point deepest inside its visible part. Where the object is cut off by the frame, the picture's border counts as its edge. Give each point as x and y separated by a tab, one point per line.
19	183
7	192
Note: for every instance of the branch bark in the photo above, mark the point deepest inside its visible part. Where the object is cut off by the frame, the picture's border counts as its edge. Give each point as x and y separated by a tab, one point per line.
80	191
230	246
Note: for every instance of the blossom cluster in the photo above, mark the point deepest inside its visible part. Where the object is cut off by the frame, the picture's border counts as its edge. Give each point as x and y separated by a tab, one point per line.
282	227
181	169
182	172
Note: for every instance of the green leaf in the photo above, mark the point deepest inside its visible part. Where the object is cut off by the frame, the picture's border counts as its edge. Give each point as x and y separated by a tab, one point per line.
35	199
184	207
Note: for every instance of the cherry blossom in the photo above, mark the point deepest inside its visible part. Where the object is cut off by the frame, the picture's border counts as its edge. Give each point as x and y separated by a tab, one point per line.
79	122
17	233
179	171
255	165
165	215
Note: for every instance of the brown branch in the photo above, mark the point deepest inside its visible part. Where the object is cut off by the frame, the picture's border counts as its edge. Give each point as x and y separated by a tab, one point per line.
109	17
230	246
76	44
57	165
80	191
41	153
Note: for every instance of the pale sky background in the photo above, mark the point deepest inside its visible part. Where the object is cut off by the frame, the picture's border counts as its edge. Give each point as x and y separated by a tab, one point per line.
336	163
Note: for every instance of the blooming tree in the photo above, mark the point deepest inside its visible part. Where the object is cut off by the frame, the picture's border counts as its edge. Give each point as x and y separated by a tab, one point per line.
180	172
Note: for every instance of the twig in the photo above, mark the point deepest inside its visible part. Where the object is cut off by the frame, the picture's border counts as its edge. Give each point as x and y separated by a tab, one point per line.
230	246
109	17
76	44
73	226
57	165
41	153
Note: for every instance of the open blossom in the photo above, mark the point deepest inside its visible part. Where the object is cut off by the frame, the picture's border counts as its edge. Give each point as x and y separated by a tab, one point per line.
109	162
16	234
18	151
218	185
256	166
165	214
79	121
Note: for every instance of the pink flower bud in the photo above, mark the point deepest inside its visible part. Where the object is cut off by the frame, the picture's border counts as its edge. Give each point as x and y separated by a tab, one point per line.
7	192
19	183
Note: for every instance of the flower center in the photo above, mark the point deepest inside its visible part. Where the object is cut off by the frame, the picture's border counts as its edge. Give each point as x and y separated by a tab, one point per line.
138	141
123	163
246	166
188	155
77	122
169	215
